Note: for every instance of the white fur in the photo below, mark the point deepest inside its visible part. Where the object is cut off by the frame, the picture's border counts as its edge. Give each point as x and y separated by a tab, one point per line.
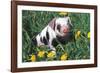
43	33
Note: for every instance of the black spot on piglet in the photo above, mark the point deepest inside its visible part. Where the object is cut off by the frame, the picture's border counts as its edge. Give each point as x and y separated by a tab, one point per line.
58	27
45	41
47	35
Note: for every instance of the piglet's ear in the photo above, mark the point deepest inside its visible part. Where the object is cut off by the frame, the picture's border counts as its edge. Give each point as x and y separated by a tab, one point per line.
69	21
52	23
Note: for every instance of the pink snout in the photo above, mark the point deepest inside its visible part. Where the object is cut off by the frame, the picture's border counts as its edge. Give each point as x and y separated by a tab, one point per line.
65	29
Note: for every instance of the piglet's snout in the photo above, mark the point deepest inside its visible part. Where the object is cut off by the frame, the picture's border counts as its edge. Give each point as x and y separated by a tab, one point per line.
65	29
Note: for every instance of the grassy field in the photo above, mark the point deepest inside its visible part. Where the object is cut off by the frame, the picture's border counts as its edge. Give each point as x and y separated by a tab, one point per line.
34	21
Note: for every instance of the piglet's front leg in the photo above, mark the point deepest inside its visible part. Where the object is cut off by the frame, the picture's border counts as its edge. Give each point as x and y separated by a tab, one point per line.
52	48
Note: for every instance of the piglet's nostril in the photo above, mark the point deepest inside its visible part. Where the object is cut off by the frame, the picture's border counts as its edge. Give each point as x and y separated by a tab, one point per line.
65	30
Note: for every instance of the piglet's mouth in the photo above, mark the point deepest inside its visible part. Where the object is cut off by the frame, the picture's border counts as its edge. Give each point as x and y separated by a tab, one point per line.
65	34
68	34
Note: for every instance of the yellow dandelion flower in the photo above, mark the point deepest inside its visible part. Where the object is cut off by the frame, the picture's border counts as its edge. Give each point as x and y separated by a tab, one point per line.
63	13
41	53
88	35
51	54
64	57
77	34
33	58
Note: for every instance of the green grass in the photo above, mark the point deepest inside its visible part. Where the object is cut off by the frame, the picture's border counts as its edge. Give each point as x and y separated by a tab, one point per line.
34	21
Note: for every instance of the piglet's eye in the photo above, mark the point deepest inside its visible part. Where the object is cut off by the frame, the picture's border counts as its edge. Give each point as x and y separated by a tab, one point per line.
58	27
